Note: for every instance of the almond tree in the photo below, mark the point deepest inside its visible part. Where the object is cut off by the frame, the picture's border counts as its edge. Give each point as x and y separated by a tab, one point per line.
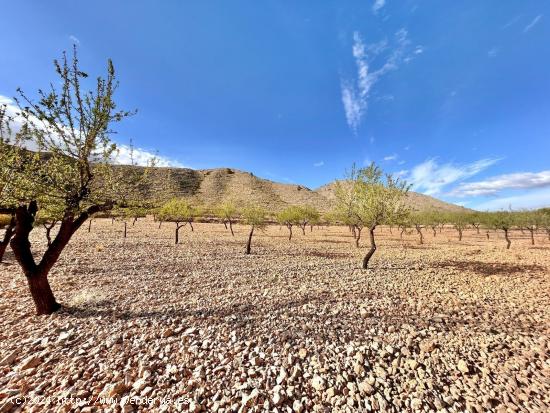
502	220
371	198
256	217
228	213
545	220
49	216
420	221
307	215
460	222
531	221
70	129
178	211
475	219
289	217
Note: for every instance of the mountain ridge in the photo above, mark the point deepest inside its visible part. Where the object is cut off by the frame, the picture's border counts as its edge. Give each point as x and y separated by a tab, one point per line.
214	185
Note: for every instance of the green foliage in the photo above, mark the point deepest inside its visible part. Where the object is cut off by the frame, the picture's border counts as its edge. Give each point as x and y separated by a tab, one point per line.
504	220
368	198
255	216
177	210
308	215
227	211
289	216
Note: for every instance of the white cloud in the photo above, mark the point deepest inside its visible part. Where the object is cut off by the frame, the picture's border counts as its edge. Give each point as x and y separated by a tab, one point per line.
355	93
401	162
533	199
431	177
493	52
141	156
378	4
74	39
402	173
391	157
491	186
532	24
318	164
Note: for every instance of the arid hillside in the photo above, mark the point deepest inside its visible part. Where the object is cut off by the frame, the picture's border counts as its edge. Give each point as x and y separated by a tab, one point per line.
211	186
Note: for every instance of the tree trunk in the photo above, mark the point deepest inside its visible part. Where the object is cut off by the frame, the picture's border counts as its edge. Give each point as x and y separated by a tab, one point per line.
459	234
402	231
249	240
487	233
507	239
353	231
358	237
477	228
160	223
304	229
134	221
112	220
532	231
391	230
419	230
48	233
225	223
178	226
435	233
231	228
42	294
125	229
311	228
90	225
37	275
289	232
10	230
367	257
191	225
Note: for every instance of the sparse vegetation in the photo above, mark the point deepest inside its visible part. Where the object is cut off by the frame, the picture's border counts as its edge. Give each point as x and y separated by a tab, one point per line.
180	212
228	213
256	218
368	199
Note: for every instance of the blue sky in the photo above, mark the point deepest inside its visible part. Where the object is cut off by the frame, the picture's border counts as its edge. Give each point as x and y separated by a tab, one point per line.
452	96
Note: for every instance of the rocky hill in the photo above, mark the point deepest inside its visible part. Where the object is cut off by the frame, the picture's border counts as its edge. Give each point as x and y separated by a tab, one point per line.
212	186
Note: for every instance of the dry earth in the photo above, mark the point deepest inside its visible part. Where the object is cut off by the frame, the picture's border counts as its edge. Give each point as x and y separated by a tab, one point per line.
295	327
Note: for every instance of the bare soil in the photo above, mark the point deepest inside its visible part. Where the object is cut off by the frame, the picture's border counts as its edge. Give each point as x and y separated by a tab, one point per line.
295	327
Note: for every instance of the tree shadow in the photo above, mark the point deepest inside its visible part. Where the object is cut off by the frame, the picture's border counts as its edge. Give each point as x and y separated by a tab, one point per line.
490	268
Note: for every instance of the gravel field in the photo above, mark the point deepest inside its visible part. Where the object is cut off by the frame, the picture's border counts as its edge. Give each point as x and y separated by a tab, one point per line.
295	327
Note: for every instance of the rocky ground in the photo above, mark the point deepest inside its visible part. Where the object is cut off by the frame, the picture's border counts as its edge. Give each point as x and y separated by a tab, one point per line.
295	327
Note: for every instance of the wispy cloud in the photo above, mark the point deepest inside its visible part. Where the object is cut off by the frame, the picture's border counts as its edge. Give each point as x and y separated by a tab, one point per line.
318	164
493	52
532	24
74	39
493	185
355	91
430	177
391	157
532	199
378	4
511	22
